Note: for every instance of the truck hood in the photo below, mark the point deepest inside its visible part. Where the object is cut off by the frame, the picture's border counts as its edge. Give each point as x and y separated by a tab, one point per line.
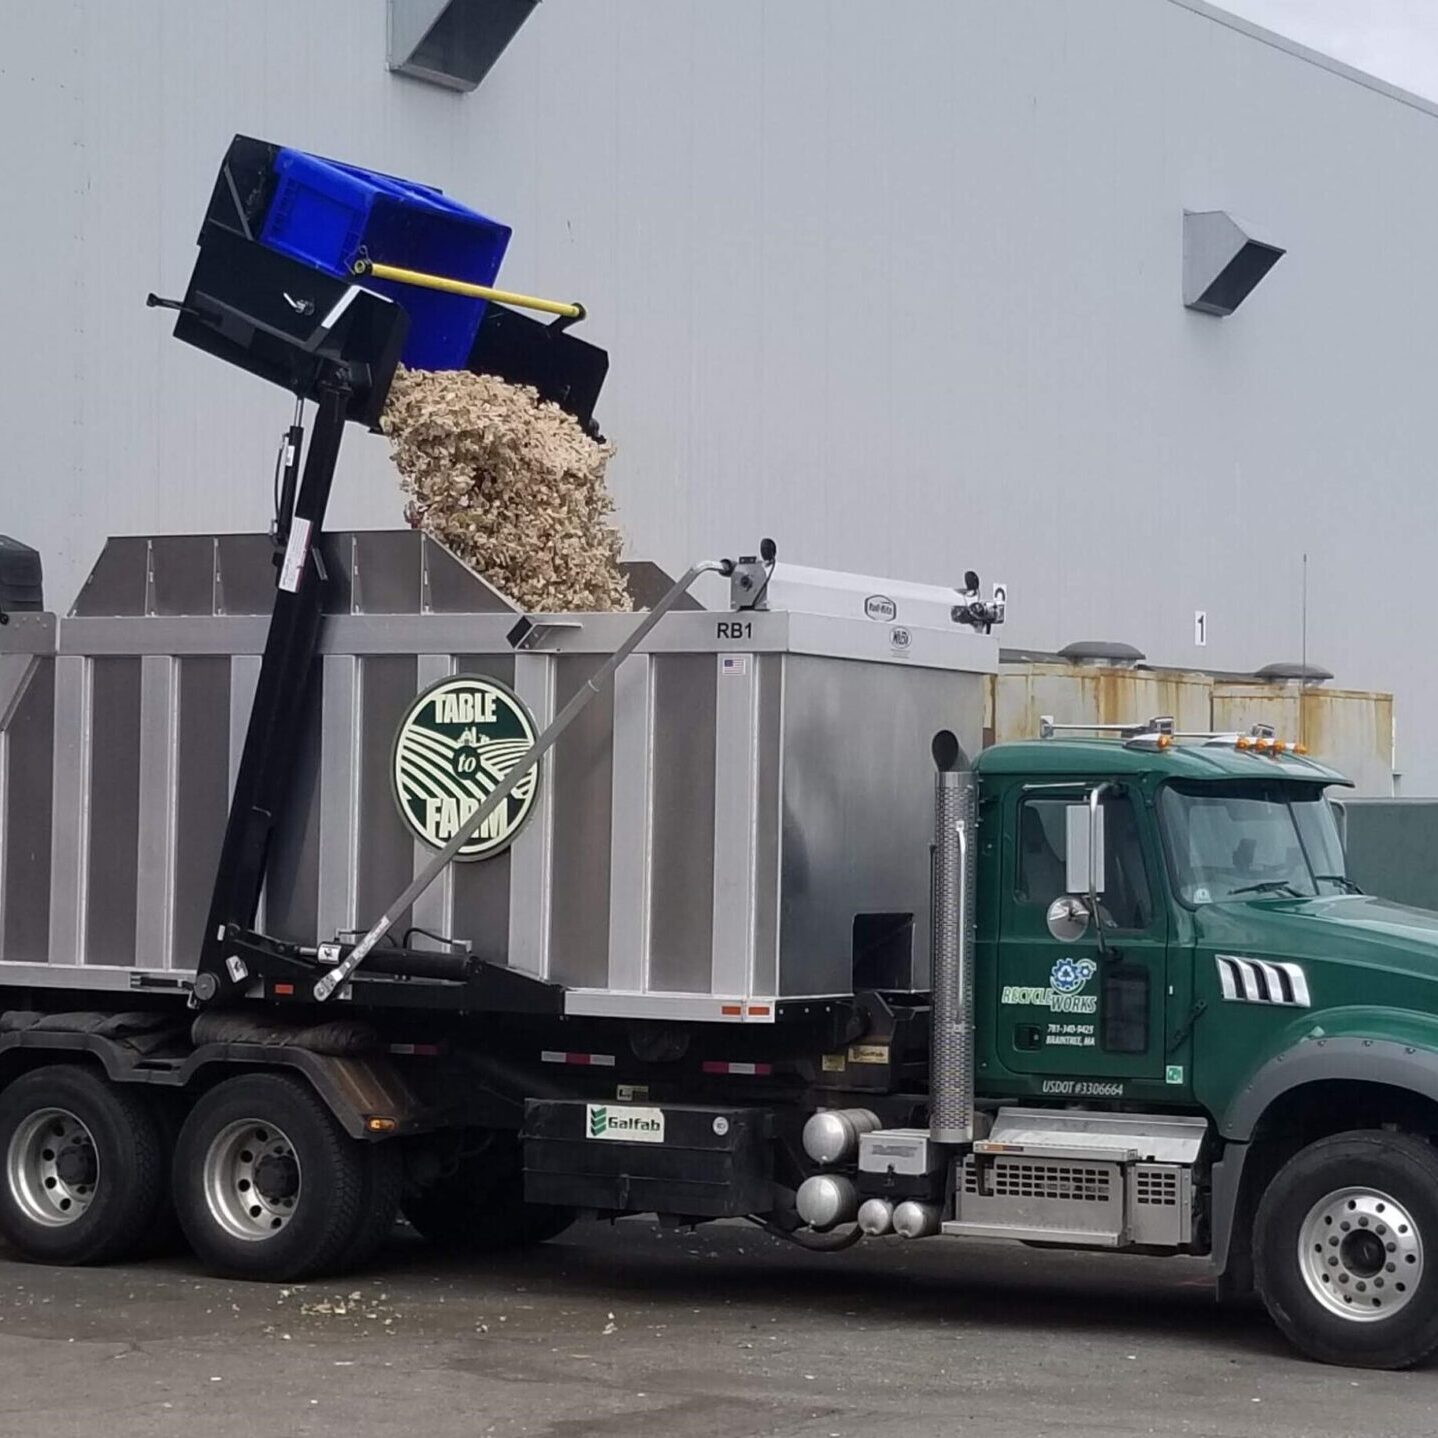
1350	929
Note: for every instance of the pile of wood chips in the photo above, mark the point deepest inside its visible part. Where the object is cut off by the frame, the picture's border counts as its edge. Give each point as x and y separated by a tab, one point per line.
511	484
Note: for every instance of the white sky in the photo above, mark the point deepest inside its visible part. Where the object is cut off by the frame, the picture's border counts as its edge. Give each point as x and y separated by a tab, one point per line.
1396	40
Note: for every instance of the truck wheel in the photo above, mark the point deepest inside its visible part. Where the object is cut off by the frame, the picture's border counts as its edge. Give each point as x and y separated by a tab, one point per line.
1345	1247
480	1207
267	1185
84	1167
384	1181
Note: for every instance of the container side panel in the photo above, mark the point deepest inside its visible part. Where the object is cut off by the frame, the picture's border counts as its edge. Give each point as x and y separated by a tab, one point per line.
433	911
292	878
682	888
183	567
202	796
114	812
388	684
581	772
246	574
858	806
386	572
29	755
768	841
159	776
116	585
481	889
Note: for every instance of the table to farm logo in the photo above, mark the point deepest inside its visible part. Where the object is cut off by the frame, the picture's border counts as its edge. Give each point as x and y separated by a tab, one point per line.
456	743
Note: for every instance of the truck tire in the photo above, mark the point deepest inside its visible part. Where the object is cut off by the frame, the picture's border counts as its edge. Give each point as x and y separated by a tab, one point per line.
267	1184
84	1167
480	1207
384	1182
1345	1246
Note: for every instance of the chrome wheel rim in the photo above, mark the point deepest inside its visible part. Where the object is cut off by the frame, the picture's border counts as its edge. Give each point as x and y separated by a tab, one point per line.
252	1179
1360	1254
52	1168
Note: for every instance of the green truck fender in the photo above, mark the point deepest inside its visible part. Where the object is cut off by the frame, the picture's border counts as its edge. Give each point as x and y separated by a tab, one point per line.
1393	1047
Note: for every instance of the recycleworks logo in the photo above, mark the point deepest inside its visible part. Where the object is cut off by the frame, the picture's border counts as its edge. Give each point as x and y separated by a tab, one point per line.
458	741
1064	994
627	1123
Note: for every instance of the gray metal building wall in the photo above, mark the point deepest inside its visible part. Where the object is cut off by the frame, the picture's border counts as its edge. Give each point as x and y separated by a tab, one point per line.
898	284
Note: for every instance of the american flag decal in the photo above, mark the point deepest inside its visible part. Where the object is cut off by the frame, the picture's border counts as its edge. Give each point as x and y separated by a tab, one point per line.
1258	981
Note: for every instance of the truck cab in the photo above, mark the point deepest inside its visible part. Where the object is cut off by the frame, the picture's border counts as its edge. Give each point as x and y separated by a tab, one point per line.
1217	884
1181	999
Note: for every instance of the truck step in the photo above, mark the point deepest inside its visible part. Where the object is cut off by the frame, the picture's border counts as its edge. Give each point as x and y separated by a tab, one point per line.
1030	1233
1098	1137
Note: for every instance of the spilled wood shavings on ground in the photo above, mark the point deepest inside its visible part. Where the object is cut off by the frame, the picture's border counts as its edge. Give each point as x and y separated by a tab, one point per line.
513	485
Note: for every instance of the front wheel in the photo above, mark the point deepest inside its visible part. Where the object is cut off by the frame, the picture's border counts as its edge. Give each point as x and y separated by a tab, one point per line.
1346	1249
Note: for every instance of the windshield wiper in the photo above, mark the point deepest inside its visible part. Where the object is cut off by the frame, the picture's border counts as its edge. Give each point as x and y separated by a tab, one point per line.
1342	880
1269	886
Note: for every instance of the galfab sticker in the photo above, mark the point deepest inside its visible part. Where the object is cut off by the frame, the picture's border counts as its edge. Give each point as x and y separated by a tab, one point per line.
1064	992
626	1123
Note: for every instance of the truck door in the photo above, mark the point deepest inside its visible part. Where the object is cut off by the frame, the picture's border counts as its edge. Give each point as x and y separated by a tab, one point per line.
1064	1007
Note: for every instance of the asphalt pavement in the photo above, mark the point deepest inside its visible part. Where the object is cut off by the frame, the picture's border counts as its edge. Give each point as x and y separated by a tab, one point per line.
627	1331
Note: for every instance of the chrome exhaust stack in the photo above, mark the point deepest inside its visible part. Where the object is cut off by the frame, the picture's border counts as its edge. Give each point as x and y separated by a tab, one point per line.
951	1043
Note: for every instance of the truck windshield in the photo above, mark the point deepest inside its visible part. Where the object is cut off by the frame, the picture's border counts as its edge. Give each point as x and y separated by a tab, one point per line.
1228	841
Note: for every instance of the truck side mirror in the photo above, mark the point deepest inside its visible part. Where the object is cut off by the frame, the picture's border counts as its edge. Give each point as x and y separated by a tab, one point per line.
1085	847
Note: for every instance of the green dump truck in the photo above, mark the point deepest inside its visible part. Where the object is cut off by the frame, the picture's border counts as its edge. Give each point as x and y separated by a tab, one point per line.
755	939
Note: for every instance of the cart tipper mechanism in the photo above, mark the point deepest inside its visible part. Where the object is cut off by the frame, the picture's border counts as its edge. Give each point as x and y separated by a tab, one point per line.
332	884
275	291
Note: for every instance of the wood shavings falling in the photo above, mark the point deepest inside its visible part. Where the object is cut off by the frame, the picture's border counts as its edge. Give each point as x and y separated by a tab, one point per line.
512	484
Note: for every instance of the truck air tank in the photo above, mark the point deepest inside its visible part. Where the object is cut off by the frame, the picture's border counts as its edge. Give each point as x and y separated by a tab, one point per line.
913	1219
832	1134
825	1199
876	1217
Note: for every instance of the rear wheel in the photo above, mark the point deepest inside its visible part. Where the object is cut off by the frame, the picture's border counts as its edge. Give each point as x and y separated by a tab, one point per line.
267	1185
1346	1249
384	1178
478	1206
84	1171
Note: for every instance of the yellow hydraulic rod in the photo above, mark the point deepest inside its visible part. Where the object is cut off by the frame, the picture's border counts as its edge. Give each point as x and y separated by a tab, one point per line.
565	309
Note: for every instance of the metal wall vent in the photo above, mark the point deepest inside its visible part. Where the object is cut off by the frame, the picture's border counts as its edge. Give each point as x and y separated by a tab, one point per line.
1303	673
1102	651
452	43
1222	261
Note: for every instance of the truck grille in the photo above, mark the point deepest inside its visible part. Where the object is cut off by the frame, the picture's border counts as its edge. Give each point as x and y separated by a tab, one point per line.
1066	1182
1156	1186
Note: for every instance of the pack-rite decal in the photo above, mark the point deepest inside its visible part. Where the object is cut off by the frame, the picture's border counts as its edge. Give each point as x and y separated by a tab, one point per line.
456	743
1063	995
